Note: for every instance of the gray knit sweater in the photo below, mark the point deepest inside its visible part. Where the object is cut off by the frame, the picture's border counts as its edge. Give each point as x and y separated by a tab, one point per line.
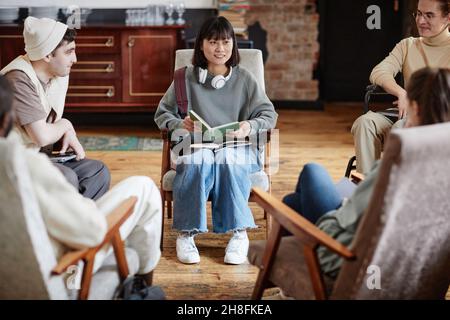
240	99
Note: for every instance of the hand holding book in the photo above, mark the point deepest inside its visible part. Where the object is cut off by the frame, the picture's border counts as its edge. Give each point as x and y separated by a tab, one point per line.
188	124
211	133
242	132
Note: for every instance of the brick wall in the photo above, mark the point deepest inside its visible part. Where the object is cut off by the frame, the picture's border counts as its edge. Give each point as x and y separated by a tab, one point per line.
292	42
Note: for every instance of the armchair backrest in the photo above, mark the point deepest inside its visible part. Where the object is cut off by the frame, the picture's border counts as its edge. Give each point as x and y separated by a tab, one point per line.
404	236
26	255
251	59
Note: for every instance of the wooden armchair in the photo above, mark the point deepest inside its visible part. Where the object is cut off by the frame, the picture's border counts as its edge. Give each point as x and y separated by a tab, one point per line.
308	236
115	220
28	266
404	233
252	60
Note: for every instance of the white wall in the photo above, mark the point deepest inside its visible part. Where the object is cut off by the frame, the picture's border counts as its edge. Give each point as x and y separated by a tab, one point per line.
104	3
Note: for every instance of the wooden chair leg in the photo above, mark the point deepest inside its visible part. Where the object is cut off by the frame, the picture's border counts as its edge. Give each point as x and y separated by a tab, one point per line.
265	215
119	252
312	262
169	209
163	200
273	242
161	243
86	277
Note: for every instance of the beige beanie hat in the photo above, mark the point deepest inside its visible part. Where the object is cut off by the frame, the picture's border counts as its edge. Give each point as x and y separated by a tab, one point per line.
42	36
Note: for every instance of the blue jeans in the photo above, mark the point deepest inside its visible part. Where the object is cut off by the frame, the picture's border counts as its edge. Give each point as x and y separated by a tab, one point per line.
315	194
224	177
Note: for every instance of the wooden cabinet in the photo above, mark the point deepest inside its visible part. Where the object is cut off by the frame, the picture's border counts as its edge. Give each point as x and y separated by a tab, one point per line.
119	69
148	60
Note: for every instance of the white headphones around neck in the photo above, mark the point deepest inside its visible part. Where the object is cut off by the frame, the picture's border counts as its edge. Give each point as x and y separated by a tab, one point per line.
217	82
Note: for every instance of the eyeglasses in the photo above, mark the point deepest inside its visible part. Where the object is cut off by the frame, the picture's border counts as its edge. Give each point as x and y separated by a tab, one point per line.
427	16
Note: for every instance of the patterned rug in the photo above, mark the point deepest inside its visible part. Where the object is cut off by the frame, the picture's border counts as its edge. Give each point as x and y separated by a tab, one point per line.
120	143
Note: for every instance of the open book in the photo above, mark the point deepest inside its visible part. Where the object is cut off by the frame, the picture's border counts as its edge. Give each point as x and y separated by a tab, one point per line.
212	133
214	146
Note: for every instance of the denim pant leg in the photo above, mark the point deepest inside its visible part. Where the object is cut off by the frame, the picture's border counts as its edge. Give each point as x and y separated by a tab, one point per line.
191	187
315	195
231	190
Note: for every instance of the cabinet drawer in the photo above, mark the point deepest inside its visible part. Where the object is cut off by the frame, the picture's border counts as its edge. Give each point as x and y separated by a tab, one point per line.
96	67
91	90
98	42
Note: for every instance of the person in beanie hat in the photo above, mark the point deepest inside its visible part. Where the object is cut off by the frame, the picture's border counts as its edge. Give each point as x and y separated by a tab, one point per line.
42	36
39	82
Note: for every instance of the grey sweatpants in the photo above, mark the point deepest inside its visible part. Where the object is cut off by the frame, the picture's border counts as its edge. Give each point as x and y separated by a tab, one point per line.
90	177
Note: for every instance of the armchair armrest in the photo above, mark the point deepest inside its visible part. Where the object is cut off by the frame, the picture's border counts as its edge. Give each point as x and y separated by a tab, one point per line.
308	234
304	230
165	156
114	220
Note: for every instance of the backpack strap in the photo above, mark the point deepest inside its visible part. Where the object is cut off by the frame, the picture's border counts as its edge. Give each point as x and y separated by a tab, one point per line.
180	91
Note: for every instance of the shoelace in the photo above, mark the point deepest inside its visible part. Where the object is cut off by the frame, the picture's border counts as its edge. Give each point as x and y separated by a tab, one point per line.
234	244
188	245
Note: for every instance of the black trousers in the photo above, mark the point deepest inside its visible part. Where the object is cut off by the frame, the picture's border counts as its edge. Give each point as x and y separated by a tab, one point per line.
90	177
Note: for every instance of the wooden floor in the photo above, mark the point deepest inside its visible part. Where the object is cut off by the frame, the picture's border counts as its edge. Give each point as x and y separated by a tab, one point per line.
305	136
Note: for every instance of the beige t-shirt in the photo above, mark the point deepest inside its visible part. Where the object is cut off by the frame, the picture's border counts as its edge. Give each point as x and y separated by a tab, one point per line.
27	104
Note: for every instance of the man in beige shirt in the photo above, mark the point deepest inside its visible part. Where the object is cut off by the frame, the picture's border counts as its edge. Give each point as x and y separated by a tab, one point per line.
39	82
431	49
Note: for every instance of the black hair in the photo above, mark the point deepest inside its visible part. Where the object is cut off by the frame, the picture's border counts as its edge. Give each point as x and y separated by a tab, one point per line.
69	36
430	88
215	28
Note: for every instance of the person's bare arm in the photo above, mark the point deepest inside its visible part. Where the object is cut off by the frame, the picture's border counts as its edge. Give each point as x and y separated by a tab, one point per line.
402	103
384	75
43	133
70	141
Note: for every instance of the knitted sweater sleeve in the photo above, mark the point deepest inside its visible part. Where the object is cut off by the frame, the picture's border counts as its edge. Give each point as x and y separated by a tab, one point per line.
166	116
391	65
262	114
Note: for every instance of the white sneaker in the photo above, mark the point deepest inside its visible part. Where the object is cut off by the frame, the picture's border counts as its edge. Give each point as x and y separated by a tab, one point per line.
237	248
186	250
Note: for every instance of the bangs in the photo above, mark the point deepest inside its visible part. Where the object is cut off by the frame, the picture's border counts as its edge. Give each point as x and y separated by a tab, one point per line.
219	31
215	28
